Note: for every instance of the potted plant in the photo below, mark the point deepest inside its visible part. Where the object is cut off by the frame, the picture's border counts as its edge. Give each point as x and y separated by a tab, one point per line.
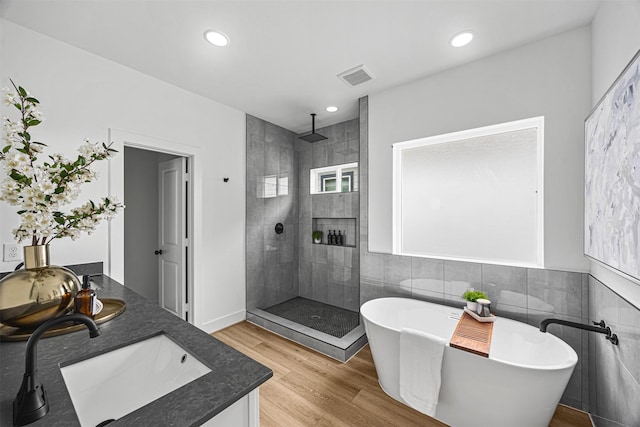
316	236
472	296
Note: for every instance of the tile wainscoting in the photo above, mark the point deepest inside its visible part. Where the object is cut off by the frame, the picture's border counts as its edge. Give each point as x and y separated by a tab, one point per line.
523	294
614	371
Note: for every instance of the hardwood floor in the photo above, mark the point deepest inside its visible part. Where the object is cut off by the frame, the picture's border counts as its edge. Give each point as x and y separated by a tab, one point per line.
310	389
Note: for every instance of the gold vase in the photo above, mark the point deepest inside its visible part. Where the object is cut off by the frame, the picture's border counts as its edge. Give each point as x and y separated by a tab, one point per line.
39	292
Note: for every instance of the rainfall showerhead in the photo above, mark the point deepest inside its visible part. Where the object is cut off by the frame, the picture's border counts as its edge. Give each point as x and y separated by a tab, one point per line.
313	136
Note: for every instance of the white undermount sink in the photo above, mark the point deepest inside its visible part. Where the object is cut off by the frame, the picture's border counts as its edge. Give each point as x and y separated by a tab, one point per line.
113	384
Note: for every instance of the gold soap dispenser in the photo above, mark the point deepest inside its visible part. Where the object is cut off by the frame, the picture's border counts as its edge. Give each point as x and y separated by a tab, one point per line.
85	300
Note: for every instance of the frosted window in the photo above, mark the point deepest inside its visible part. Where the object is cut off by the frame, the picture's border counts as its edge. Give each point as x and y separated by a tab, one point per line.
474	196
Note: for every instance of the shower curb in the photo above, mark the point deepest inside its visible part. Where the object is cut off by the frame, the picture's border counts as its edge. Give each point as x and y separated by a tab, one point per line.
341	349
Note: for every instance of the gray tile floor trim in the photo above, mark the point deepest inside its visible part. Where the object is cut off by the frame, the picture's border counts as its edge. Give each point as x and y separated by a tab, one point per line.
341	349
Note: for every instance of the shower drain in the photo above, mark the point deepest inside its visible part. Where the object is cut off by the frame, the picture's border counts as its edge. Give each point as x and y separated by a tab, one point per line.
316	317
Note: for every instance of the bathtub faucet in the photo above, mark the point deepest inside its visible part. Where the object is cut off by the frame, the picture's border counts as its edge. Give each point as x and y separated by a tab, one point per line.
599	327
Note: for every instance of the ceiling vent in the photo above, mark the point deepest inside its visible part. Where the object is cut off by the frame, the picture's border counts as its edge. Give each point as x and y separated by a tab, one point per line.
356	76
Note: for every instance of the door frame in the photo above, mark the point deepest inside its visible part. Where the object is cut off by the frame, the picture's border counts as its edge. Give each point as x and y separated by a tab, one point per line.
114	266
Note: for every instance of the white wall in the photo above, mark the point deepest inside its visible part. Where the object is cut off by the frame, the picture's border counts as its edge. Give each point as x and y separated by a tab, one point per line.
615	39
550	78
82	96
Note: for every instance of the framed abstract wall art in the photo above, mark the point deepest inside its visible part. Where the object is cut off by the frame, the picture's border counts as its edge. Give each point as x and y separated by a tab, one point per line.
612	175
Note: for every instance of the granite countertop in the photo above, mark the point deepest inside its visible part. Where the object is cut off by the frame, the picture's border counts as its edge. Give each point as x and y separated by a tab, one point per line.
232	375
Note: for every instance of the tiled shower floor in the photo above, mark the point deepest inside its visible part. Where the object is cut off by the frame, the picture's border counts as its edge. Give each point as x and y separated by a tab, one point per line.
329	319
333	331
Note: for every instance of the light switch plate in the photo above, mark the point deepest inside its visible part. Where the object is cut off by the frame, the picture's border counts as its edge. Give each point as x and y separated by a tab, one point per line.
11	252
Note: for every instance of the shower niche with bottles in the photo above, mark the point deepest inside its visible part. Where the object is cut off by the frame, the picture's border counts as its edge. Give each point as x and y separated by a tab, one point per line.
336	231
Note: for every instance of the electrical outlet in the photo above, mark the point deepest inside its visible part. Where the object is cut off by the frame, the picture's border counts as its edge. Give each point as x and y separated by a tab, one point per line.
11	252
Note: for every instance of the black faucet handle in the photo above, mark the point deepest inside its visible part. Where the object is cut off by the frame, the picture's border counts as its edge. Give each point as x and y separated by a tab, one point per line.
600	323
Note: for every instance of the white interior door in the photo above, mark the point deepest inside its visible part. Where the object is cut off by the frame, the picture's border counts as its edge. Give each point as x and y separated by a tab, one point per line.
172	236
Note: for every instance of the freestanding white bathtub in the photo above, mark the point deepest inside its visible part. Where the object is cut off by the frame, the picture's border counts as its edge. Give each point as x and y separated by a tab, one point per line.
519	384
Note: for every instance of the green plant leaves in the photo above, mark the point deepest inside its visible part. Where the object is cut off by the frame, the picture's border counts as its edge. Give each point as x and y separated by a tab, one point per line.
17	176
473	296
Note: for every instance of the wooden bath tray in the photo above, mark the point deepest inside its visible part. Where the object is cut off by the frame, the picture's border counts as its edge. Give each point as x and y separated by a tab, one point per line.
472	336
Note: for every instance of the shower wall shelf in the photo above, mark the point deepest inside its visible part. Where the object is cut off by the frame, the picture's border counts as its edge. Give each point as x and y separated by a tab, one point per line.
337	246
347	226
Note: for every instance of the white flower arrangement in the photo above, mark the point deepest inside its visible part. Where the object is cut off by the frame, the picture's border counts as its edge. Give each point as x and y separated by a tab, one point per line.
40	189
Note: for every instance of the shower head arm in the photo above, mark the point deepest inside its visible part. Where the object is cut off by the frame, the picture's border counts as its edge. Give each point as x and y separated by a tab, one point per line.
313	136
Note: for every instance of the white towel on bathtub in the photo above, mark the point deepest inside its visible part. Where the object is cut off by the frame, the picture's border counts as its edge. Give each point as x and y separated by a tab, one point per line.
420	368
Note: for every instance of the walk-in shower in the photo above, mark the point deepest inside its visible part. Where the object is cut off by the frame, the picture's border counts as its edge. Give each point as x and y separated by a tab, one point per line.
308	292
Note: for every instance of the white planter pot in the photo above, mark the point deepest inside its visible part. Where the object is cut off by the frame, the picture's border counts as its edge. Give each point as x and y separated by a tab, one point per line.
473	306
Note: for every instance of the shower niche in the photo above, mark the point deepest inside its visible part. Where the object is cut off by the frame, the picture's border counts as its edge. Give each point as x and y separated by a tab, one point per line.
345	227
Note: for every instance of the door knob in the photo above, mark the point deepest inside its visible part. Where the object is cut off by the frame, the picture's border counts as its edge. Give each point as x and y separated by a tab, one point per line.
158	252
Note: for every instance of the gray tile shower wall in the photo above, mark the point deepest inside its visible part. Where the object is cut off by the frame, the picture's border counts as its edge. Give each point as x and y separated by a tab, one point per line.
271	195
329	274
283	266
606	381
615	370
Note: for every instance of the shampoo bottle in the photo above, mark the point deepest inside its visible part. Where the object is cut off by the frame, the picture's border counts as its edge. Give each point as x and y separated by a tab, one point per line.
85	300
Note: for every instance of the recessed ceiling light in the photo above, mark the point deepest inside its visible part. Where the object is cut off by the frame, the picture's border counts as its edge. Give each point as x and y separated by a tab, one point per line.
216	38
461	39
332	109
